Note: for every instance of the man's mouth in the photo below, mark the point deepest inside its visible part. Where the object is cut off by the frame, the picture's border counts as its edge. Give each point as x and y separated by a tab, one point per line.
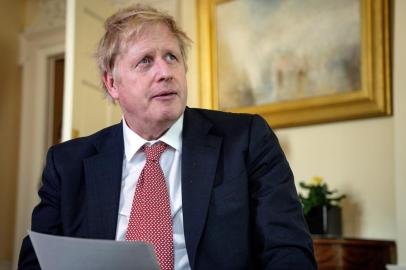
164	94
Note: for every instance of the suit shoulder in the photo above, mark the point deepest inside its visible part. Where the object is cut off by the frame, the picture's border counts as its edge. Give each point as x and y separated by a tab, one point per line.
231	120
220	116
87	143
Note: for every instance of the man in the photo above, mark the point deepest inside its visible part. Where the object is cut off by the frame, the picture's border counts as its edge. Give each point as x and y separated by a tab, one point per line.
209	190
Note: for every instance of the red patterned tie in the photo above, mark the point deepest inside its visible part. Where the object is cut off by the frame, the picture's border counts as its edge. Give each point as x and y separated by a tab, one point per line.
150	218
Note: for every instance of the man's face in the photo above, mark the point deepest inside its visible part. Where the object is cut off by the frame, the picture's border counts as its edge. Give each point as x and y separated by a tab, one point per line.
150	79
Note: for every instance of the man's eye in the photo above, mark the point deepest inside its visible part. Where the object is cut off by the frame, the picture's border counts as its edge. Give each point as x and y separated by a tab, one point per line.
170	57
145	60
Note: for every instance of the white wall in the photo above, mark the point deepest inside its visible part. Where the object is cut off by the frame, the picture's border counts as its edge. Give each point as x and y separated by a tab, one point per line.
399	64
356	157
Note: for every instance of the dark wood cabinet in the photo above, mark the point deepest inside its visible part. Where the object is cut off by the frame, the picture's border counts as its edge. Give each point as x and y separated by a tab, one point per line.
353	254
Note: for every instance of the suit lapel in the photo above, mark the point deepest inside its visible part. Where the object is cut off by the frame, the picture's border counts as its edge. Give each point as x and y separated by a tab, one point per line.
200	153
103	182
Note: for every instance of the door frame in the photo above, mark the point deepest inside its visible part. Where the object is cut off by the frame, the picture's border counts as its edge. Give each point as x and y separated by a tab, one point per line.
36	49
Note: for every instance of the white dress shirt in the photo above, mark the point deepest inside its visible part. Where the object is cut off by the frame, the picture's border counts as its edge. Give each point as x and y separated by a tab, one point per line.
170	161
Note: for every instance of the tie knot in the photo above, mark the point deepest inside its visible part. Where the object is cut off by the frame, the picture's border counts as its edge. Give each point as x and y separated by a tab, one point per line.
154	152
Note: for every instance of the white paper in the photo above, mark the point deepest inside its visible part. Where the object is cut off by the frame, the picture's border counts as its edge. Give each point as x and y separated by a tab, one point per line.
395	267
67	253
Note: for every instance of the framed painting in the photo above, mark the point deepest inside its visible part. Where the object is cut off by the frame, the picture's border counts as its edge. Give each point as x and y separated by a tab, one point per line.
295	62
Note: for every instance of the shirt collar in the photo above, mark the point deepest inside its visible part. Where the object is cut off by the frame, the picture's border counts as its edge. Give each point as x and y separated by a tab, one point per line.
133	142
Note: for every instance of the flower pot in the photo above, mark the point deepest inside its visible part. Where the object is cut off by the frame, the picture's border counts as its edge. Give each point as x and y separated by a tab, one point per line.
325	220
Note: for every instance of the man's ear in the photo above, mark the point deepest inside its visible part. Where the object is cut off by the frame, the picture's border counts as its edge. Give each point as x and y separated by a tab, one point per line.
111	85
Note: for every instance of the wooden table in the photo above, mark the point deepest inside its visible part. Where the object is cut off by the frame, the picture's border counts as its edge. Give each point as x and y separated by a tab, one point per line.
353	254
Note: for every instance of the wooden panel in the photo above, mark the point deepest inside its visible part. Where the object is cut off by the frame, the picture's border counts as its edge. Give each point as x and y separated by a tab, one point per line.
351	254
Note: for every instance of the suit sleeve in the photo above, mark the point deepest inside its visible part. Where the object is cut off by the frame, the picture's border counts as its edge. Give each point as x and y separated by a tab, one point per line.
45	217
281	238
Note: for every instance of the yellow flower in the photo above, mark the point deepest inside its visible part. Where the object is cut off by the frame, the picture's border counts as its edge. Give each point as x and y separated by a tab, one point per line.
316	180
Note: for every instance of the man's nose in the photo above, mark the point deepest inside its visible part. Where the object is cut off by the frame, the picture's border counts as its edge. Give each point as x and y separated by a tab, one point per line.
163	70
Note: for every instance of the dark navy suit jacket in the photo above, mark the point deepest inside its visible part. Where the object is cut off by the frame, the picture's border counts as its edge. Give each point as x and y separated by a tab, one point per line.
240	206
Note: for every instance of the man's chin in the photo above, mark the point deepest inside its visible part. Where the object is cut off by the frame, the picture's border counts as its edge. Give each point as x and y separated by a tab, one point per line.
170	114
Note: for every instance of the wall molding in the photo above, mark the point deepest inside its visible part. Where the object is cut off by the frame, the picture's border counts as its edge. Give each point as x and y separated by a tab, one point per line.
36	48
50	14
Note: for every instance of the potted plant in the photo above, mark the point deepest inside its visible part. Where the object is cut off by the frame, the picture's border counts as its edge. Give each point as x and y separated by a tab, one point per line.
321	208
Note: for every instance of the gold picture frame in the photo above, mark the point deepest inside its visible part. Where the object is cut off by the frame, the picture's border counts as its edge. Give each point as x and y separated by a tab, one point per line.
372	99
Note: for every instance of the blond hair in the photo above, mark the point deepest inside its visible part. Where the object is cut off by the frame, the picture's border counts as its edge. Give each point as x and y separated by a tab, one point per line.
126	25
